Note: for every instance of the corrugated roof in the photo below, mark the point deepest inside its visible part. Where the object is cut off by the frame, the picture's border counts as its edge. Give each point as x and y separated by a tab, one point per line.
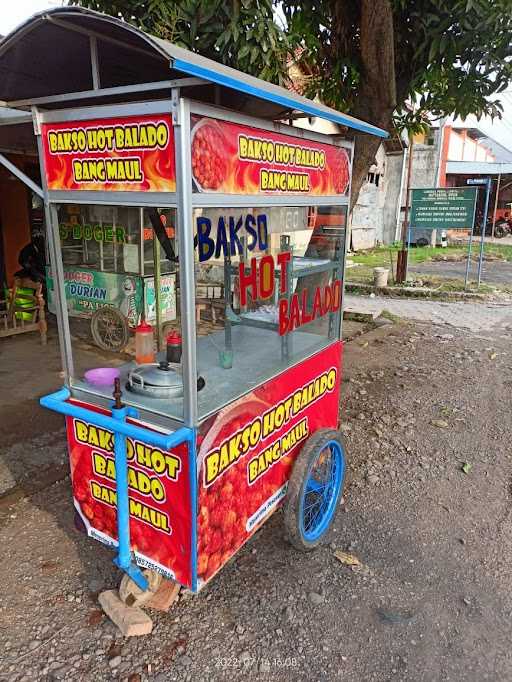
478	167
20	49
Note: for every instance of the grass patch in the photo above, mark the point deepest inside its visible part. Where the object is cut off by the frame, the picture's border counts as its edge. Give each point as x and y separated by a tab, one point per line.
503	251
381	257
384	256
453	284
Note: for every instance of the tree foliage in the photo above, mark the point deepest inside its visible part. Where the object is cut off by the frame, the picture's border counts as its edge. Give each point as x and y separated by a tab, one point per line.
390	62
238	33
449	56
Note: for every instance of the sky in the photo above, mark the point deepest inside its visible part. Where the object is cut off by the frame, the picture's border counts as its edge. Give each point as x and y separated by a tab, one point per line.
499	129
15	12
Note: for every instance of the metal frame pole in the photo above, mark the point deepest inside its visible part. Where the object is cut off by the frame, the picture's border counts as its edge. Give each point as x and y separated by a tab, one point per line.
59	289
470	246
398	227
406	267
496	204
185	225
156	287
4	161
95	67
123	559
403	256
181	121
141	243
484	226
346	241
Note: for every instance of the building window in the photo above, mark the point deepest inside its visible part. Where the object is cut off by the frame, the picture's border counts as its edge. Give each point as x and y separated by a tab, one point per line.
373	178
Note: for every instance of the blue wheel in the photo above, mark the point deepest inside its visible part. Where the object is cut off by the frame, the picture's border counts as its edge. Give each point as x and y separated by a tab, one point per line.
314	489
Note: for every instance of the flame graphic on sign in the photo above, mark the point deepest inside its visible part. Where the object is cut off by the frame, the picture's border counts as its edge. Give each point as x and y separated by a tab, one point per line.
159	172
156	166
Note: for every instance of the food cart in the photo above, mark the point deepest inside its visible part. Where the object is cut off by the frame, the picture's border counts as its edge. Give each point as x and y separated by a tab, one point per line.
177	464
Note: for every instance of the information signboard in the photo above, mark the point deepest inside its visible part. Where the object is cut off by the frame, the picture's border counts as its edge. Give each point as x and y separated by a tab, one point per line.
444	208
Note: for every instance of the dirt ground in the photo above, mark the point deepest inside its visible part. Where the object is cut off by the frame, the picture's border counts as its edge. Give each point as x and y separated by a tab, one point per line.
427	505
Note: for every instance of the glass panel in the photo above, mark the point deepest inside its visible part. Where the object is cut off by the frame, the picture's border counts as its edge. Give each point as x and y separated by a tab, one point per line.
167	234
102	251
268	290
268	293
105	238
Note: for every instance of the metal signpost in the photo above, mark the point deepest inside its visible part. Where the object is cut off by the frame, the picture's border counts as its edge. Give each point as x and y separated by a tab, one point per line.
487	183
443	208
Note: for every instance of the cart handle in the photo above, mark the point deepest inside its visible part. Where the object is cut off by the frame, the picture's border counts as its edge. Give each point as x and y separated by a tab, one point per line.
121	429
58	403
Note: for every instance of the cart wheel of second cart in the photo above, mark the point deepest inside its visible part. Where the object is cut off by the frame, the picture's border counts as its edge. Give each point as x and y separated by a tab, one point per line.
314	489
109	329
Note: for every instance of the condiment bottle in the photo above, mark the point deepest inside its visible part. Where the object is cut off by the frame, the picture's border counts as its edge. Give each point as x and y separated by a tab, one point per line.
144	344
174	347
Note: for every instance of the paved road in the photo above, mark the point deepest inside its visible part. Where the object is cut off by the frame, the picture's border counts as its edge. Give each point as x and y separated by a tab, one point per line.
493	272
504	241
476	317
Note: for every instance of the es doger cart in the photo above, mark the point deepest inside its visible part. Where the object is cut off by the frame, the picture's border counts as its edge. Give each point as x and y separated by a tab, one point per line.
179	463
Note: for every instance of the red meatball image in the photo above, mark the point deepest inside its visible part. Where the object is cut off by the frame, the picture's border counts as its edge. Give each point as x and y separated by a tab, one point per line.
341	171
208	157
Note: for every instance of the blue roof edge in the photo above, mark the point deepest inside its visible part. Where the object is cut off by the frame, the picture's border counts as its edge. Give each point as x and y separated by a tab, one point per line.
289	102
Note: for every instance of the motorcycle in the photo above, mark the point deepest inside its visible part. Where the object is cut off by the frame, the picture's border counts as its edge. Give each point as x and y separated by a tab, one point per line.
502	228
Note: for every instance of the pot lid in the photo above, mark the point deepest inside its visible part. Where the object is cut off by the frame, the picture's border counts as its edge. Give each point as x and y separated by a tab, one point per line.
162	374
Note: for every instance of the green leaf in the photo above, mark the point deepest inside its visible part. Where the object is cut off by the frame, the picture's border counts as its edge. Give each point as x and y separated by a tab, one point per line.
244	51
254	55
466	467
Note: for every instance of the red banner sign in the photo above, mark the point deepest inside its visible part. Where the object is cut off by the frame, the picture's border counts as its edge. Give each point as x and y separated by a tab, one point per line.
129	154
159	490
246	452
246	456
239	159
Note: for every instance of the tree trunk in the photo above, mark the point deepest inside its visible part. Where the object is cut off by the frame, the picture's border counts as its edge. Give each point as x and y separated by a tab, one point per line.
375	102
376	99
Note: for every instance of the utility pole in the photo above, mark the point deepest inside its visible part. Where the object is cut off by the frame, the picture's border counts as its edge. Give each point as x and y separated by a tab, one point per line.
401	265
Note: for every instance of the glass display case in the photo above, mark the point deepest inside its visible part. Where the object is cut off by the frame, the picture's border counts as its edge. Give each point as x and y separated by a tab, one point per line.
110	255
281	293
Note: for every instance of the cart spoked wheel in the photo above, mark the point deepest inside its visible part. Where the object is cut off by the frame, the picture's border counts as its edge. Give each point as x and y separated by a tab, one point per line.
314	489
109	329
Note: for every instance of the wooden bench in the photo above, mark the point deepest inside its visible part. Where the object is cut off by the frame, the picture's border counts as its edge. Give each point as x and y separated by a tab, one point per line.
23	310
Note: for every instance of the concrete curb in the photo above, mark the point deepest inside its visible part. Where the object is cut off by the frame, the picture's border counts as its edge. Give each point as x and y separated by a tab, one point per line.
414	292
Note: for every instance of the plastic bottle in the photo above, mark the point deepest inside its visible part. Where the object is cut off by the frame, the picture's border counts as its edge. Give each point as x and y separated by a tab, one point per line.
174	347
144	344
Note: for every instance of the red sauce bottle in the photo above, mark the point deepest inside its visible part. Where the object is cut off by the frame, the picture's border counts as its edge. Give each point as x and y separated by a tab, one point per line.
174	347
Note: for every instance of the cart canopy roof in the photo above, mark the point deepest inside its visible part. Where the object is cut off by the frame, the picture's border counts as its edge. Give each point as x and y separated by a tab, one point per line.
72	50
